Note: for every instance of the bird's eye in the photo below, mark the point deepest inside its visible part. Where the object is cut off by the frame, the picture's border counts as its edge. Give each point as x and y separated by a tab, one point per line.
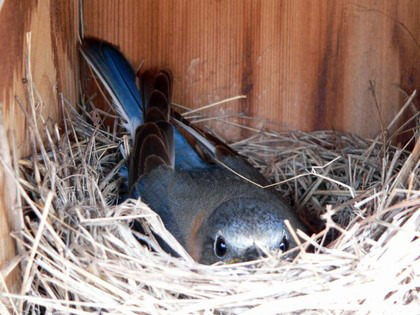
284	245
220	247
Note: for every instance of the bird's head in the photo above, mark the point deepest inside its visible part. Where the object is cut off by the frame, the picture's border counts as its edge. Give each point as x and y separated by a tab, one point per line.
244	229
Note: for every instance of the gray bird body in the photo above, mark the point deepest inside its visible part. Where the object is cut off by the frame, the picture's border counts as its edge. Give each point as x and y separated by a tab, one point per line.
185	200
214	213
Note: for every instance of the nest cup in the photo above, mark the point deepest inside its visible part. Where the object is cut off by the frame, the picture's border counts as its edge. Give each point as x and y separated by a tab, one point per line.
79	255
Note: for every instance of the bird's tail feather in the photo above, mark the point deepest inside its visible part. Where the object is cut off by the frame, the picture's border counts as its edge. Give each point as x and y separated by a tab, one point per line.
153	143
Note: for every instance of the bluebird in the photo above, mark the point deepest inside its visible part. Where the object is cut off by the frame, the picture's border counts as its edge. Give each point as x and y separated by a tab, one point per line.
214	213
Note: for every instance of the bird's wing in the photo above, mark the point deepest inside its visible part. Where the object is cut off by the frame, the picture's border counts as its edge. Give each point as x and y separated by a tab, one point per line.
220	152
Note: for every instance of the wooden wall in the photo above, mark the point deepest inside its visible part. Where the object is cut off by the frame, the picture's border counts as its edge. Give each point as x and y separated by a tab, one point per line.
53	25
303	64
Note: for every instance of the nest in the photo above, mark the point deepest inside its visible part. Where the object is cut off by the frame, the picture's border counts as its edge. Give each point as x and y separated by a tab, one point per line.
79	255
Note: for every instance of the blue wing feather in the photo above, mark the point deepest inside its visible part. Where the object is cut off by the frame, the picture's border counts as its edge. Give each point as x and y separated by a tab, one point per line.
118	78
122	69
185	156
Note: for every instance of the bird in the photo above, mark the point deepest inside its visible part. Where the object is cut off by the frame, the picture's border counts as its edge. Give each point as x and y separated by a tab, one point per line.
208	196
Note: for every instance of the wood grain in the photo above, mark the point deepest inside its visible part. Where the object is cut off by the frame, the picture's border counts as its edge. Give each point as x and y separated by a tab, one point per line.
302	64
53	54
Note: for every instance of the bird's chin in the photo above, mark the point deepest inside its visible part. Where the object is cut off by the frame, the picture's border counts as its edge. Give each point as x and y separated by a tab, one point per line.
234	261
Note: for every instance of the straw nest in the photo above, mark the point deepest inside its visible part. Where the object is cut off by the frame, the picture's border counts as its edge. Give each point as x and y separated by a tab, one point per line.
78	254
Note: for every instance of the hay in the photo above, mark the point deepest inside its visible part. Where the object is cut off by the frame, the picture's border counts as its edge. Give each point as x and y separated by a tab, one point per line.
79	256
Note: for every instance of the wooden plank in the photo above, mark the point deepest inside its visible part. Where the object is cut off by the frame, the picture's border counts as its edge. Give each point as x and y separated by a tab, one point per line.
53	54
303	64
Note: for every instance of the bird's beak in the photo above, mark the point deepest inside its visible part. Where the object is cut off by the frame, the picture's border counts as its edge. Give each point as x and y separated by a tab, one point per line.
253	253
